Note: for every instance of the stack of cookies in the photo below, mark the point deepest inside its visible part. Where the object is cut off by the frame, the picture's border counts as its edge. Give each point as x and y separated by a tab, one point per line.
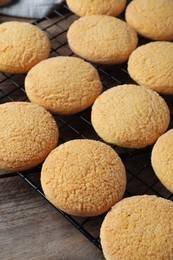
87	177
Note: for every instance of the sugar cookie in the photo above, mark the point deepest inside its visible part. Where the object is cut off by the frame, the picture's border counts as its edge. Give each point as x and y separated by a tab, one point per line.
162	159
102	39
103	7
151	65
139	227
28	134
83	177
152	19
63	85
22	45
130	116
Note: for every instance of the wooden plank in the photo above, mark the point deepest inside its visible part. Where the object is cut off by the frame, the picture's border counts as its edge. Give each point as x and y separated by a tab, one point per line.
31	229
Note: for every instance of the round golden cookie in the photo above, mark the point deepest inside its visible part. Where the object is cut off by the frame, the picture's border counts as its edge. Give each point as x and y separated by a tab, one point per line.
28	134
151	65
138	227
152	19
130	116
63	85
103	7
162	159
22	45
102	39
83	177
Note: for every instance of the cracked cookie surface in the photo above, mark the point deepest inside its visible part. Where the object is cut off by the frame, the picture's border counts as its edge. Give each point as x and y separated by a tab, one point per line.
102	39
63	85
103	7
152	19
22	45
138	227
151	65
83	177
28	134
130	116
162	159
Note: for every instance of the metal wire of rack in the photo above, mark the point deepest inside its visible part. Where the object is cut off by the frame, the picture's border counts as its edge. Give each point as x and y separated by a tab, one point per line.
140	176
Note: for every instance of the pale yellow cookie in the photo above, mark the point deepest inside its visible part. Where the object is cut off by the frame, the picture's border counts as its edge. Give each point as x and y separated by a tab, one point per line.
139	227
162	159
83	177
102	39
103	7
130	116
63	85
28	134
22	45
151	65
151	18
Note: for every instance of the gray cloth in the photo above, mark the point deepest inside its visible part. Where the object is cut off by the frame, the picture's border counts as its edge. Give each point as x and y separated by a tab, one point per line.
30	8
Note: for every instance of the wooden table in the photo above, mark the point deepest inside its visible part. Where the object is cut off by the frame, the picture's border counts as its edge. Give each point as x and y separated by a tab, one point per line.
30	228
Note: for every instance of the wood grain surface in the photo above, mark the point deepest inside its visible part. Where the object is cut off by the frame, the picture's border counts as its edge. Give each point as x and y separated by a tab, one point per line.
30	228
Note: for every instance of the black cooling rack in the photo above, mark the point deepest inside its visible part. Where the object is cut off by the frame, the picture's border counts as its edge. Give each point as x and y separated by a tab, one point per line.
140	176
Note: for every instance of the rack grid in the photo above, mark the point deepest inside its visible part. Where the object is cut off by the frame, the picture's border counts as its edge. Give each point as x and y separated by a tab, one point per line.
140	176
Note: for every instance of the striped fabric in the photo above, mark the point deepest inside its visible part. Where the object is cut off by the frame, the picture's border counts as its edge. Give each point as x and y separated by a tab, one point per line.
30	8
